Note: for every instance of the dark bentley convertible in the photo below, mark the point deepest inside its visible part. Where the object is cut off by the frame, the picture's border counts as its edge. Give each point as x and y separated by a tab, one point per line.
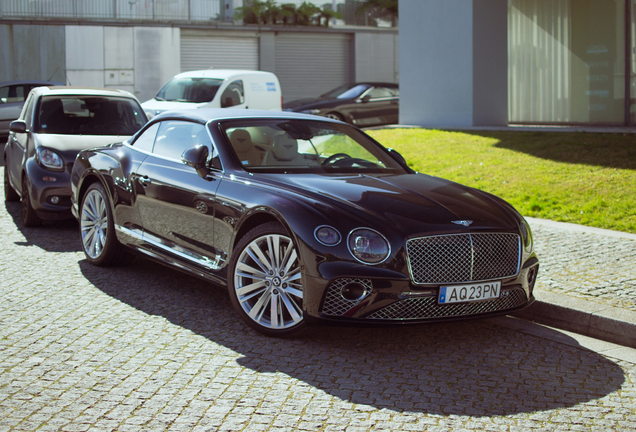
303	219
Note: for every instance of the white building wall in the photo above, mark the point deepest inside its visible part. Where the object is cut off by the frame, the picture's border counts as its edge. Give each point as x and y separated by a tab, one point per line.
157	58
453	63
85	56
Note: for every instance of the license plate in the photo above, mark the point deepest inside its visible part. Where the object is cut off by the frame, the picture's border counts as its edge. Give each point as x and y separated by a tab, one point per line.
469	293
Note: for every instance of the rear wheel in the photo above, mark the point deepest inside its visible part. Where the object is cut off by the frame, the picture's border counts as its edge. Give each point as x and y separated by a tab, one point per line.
265	281
97	229
334	116
29	216
9	193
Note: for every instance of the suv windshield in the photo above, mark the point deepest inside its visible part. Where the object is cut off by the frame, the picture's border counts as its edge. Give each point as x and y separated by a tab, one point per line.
285	145
190	90
89	115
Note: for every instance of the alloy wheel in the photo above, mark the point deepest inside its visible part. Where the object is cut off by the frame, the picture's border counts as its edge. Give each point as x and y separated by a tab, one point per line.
94	224
267	282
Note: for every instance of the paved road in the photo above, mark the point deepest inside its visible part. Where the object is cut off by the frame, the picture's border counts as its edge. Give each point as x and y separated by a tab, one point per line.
145	348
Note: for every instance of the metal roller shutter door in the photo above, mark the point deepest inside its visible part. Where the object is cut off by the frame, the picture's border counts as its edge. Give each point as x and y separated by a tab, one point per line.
309	65
204	52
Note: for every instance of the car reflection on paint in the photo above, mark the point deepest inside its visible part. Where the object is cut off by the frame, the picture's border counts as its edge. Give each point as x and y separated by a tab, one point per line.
305	220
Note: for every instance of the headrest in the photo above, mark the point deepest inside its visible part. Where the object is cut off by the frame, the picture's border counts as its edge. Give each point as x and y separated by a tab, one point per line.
241	140
285	147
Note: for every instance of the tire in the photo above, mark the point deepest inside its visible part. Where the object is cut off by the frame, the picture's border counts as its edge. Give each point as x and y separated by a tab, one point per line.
335	116
97	229
29	216
10	195
265	274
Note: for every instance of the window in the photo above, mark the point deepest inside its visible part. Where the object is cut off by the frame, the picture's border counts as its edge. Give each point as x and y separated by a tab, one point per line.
175	137
145	141
379	93
233	95
13	93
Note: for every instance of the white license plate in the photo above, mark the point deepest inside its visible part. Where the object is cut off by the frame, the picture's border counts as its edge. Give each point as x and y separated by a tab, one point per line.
469	293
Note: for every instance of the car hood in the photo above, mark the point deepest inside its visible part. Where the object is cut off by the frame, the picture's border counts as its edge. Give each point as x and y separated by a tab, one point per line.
154	106
410	203
314	103
75	143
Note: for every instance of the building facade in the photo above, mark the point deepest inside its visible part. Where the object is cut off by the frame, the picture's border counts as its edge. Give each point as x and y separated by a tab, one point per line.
496	62
139	45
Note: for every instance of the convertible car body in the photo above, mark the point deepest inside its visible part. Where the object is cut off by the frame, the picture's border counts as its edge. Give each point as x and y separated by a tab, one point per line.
303	219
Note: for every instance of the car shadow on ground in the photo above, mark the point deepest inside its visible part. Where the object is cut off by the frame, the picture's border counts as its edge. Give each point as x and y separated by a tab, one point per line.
52	236
594	149
466	368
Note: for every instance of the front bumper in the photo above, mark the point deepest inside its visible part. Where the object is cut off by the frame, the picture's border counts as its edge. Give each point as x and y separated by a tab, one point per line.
390	300
50	191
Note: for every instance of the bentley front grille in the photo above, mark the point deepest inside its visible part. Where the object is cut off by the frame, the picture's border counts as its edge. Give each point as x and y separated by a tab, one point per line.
457	258
427	307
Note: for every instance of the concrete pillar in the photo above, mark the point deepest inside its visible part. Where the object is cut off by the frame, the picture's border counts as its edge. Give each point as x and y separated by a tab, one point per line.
453	63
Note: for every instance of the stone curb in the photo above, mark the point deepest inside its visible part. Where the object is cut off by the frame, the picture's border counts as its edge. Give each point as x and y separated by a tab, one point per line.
583	317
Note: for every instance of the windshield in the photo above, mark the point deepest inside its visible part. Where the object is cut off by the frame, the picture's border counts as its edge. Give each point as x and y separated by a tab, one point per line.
346	91
284	145
89	115
190	90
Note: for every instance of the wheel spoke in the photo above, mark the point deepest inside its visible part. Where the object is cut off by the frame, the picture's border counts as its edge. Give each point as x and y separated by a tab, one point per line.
255	252
292	308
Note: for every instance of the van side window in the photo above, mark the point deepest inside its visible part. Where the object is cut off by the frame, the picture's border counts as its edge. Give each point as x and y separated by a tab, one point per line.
233	95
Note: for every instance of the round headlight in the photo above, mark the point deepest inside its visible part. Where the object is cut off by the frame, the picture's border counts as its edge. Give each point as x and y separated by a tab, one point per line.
327	235
50	159
368	246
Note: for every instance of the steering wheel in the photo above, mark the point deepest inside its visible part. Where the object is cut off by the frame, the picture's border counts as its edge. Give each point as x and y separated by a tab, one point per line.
335	156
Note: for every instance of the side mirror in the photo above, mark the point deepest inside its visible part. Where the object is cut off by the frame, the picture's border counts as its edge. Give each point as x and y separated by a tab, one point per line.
197	158
365	99
398	157
4	100
18	126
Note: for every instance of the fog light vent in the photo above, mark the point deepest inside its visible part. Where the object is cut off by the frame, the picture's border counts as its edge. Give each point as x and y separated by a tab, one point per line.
344	294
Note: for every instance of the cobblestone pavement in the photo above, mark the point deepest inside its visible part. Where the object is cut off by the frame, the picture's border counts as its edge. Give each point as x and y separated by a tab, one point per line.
589	266
145	348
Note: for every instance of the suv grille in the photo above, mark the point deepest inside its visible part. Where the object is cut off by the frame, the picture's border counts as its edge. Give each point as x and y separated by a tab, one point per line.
459	258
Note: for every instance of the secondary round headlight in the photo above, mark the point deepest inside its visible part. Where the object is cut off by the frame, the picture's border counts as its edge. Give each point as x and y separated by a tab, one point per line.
368	246
50	159
327	235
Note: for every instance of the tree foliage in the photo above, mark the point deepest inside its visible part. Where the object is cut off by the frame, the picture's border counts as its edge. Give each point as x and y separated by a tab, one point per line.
380	9
265	12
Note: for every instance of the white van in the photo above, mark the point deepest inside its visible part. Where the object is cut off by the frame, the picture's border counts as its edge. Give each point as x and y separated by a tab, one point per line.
218	88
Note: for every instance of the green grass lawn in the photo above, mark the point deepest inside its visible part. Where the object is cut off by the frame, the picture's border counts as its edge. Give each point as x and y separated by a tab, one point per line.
582	178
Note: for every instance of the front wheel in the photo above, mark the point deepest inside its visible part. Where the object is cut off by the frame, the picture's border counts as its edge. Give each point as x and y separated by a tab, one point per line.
97	229
265	282
29	216
9	193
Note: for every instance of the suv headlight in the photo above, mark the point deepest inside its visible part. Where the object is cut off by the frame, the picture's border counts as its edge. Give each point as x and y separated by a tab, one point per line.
50	159
368	246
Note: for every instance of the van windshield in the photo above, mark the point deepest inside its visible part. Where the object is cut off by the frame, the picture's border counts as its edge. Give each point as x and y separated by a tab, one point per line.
190	89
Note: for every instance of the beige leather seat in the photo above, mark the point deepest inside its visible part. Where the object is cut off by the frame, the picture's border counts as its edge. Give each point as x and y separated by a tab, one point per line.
284	151
244	147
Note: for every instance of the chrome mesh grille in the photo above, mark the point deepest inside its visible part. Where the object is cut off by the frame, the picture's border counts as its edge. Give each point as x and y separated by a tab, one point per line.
335	304
427	307
463	257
